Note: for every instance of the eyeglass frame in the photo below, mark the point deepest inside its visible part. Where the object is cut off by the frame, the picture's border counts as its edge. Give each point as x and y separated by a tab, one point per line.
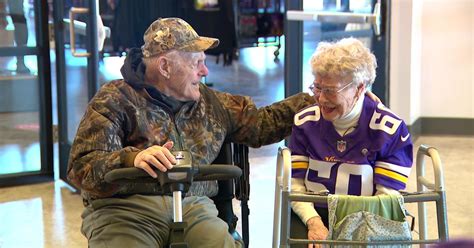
193	65
327	91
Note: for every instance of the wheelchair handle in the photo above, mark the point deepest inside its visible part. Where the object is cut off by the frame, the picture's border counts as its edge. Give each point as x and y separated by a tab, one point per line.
200	173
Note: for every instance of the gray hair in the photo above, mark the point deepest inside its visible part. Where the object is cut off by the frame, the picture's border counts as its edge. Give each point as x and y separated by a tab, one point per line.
345	58
152	62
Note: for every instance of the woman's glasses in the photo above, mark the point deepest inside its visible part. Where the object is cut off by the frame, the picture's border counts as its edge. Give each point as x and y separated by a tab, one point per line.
330	92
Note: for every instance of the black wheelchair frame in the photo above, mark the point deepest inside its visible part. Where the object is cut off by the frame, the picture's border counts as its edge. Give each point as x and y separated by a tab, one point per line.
237	155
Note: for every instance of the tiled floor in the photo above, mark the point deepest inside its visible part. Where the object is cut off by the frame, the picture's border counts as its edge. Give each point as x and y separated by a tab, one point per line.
48	215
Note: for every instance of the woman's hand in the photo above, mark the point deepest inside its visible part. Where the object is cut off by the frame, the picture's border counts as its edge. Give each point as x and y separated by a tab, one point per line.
316	231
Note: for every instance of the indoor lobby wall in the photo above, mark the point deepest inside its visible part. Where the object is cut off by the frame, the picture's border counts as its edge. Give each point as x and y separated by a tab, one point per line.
431	65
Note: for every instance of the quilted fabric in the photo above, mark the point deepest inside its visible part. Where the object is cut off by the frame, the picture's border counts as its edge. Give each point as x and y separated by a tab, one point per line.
363	225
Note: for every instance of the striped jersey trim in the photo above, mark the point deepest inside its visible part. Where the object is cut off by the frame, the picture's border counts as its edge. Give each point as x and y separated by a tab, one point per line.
299	158
299	162
391	174
393	167
299	165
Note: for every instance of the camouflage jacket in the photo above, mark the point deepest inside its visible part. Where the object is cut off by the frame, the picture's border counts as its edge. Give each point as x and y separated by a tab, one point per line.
123	118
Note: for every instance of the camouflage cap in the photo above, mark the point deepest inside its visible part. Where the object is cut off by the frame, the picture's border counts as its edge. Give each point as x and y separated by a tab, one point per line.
166	34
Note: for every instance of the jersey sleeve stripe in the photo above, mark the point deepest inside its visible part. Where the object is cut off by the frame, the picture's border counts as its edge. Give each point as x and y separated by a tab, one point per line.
393	167
391	174
299	158
299	165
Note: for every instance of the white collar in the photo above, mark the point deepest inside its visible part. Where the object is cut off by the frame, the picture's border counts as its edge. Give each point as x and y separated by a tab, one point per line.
350	120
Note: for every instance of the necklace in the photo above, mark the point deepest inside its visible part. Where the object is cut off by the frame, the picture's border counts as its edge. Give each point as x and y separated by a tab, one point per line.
348	129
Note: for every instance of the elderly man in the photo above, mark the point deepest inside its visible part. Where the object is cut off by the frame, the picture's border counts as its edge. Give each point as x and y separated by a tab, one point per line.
158	106
346	143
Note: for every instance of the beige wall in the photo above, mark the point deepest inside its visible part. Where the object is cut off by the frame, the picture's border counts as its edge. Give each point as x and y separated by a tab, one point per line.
400	60
432	59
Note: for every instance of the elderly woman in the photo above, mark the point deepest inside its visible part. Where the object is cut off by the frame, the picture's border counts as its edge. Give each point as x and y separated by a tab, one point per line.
347	143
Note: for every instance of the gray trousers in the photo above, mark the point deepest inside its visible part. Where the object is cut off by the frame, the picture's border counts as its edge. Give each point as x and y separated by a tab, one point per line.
145	221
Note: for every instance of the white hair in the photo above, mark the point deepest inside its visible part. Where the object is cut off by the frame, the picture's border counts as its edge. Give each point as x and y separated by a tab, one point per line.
345	58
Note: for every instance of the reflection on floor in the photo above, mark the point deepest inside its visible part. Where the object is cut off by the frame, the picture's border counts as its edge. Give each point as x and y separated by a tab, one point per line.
48	215
43	215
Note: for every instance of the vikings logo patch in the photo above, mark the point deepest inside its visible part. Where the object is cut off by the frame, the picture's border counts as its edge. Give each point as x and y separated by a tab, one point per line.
341	145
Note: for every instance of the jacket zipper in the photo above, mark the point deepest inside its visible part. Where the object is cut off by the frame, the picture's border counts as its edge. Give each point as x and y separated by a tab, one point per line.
178	136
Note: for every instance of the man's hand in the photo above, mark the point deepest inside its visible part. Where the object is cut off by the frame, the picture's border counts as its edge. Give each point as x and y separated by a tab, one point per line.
316	231
372	96
155	156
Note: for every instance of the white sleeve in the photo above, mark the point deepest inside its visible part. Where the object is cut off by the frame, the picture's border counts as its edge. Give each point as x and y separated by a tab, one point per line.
305	210
382	190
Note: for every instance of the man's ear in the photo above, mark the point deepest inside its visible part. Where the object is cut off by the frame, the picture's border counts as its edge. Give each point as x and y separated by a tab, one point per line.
164	67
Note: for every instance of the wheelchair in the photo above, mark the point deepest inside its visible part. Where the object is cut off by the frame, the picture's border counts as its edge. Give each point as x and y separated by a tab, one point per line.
427	191
230	168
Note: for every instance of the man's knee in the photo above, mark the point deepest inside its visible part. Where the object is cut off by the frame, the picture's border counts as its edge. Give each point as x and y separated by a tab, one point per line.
120	236
213	232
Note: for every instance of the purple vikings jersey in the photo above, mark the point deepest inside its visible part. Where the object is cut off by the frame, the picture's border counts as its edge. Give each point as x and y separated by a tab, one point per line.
378	151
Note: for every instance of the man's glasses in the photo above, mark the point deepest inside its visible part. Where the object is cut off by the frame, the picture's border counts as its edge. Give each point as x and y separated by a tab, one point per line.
330	92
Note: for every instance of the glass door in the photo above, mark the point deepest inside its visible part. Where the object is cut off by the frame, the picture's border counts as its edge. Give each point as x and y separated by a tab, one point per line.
312	21
25	93
77	68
